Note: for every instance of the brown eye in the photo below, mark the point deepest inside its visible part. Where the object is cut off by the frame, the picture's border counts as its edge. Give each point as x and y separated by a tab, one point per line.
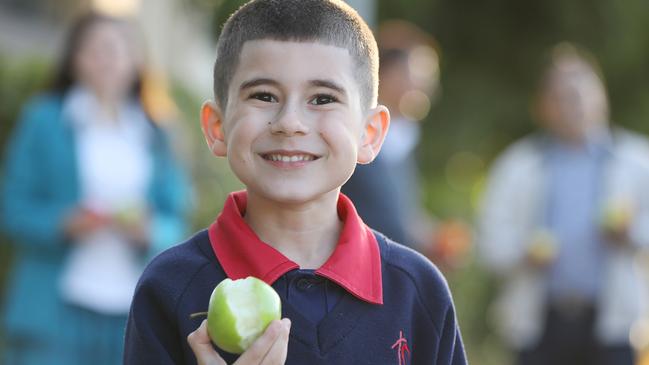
322	99
265	97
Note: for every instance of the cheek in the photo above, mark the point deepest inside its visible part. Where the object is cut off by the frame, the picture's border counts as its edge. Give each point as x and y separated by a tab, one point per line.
119	69
239	141
85	65
340	136
125	67
243	131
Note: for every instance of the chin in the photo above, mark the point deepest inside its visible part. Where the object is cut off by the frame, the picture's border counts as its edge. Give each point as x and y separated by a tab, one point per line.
290	196
293	197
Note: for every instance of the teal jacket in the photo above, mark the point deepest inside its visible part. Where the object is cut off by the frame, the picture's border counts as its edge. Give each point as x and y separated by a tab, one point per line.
40	187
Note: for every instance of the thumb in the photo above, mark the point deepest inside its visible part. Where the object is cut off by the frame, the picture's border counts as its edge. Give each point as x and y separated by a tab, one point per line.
201	345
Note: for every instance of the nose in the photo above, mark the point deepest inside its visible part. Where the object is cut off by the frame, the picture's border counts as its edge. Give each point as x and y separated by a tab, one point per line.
289	122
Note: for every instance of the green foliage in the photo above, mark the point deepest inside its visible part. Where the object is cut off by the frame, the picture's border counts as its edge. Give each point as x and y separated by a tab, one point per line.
19	79
222	12
473	292
211	176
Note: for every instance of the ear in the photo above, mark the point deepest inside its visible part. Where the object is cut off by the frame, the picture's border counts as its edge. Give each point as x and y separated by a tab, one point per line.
377	122
212	126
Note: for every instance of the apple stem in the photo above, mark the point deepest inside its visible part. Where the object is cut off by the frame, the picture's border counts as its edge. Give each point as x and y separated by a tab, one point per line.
197	314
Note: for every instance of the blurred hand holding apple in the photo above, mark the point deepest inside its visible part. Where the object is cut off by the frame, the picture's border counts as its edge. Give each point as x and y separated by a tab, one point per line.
83	221
616	220
450	244
133	220
543	249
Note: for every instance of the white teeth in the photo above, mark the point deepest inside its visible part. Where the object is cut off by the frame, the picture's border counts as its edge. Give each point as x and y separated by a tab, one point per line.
294	158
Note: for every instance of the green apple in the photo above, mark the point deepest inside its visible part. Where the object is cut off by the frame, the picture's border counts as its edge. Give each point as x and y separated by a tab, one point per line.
239	312
129	215
543	248
616	217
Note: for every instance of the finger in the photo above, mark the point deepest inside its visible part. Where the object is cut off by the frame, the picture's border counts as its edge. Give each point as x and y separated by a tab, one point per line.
277	353
201	345
258	350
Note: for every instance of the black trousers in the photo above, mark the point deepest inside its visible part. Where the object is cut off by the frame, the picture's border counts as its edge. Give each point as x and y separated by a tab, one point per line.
569	339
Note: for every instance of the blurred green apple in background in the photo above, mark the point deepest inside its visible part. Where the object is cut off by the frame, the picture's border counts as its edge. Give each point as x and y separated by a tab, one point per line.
544	248
616	217
129	214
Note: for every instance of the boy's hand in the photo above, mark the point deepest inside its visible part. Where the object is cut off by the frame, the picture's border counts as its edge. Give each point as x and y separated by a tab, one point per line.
269	349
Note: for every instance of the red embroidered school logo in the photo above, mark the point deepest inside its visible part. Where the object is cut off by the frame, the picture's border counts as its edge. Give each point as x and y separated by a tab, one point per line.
402	347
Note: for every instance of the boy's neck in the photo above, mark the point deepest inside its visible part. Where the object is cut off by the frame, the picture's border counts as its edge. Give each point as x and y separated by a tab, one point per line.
305	233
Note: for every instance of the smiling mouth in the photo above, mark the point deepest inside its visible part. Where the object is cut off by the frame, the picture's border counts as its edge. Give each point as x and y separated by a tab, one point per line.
289	157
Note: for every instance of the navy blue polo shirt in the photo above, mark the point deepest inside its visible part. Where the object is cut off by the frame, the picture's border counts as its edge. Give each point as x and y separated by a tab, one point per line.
313	295
372	302
354	265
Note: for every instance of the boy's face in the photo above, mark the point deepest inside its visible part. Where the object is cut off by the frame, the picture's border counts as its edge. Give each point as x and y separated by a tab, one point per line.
294	127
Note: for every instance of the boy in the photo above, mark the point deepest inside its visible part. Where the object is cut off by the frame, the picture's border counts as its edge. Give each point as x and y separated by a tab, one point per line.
295	111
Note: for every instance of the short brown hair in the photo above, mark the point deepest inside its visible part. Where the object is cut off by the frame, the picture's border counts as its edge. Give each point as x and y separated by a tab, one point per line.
330	22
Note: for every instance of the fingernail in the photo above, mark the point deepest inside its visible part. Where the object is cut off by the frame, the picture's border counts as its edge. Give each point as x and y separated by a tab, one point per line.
287	323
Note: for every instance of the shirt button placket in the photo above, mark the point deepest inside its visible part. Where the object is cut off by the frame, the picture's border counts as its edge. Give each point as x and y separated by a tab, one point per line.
304	284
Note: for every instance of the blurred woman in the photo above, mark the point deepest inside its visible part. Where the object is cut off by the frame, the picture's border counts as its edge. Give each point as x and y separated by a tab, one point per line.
91	192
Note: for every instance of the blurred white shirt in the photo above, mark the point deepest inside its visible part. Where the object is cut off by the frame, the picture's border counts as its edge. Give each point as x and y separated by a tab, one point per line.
114	171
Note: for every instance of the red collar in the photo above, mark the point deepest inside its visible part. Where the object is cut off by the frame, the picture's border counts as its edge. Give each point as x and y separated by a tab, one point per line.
355	263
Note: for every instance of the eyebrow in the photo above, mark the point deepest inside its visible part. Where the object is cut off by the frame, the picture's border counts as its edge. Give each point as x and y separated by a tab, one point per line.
266	81
328	84
256	82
